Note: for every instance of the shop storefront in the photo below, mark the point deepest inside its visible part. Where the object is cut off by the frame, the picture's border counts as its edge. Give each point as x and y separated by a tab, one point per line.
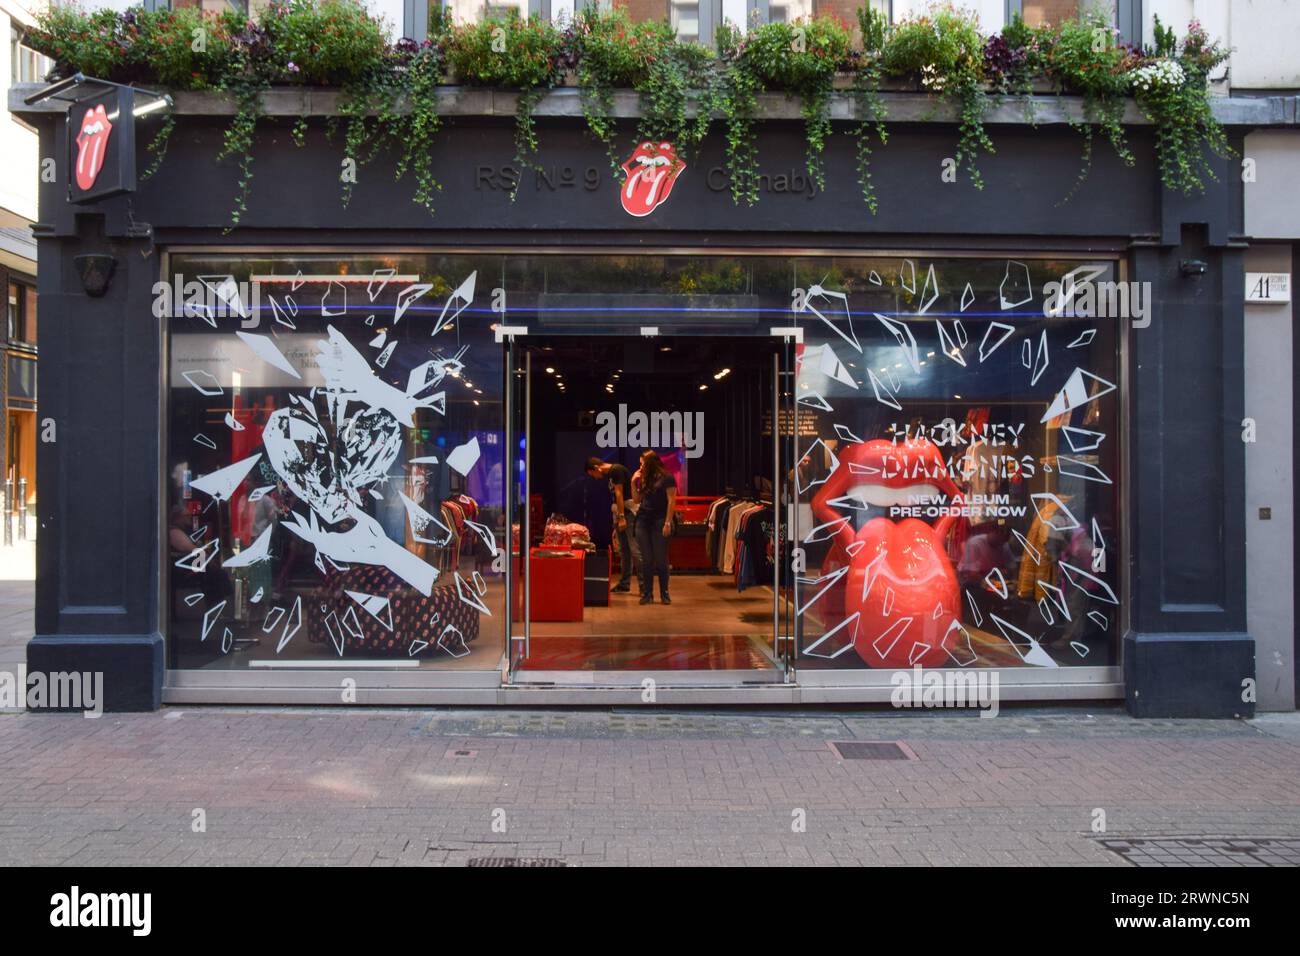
303	461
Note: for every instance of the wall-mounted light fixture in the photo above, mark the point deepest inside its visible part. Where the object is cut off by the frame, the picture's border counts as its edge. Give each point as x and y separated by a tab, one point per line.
1192	267
95	271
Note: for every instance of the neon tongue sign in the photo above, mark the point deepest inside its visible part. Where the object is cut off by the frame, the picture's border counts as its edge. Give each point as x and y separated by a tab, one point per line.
651	170
92	145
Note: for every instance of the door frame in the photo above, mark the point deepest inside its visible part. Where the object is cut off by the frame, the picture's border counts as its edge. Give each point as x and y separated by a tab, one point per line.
782	644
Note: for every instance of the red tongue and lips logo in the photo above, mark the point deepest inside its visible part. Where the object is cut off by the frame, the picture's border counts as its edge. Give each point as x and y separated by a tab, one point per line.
900	579
92	146
651	171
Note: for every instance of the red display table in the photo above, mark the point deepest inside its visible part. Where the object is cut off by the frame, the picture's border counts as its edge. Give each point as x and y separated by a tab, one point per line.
556	587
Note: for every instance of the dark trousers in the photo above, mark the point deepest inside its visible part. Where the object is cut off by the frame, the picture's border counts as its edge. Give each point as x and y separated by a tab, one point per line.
626	556
654	553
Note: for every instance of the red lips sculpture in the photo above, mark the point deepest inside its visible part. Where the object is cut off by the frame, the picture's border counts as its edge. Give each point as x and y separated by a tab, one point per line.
900	579
651	170
92	146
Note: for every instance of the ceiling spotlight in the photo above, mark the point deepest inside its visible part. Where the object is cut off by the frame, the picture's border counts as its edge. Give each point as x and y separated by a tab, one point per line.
550	370
719	376
704	388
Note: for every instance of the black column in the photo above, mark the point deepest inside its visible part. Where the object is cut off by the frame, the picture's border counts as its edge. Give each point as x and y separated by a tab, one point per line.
97	553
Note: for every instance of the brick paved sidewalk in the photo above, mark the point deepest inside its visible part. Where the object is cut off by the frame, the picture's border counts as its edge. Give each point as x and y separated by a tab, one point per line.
384	787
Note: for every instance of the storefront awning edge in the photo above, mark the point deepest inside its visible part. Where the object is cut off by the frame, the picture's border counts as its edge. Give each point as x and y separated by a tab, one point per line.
566	102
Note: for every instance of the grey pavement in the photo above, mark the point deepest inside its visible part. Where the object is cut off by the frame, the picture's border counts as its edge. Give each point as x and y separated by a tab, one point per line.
404	786
383	787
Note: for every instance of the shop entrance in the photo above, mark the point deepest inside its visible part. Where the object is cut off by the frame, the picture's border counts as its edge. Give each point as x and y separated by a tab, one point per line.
679	429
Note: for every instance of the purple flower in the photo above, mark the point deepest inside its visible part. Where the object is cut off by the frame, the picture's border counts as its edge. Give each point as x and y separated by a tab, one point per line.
293	67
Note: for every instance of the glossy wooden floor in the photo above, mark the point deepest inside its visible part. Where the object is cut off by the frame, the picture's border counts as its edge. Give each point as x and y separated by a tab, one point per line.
709	626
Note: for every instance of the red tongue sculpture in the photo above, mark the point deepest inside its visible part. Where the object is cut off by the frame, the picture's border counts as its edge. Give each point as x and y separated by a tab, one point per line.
900	579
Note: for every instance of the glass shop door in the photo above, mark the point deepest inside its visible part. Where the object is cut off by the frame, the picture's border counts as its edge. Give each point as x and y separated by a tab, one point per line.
518	417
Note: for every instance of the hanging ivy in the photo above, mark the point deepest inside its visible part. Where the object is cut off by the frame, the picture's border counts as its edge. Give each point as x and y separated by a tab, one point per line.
388	94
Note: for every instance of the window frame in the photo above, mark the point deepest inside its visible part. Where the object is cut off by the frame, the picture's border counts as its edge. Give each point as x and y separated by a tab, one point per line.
1128	18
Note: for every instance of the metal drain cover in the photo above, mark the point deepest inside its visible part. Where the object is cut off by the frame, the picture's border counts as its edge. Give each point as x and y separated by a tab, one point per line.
514	861
1207	851
872	750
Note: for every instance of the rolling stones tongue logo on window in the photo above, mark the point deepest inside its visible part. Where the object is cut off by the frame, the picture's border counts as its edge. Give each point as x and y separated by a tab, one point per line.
651	170
92	146
900	583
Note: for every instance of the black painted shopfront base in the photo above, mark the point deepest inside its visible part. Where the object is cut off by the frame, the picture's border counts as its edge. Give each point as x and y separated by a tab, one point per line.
1189	675
132	666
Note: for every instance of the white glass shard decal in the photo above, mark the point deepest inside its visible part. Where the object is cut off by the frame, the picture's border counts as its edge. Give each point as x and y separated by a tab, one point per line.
268	352
947	346
829	364
883	644
1085	338
1030	651
824	532
996	583
259	550
420	520
985	349
485	535
903	336
1016	288
956	642
210	620
205	441
837	640
1076	392
967	297
836	303
1089	584
334	300
379	280
233	423
464	457
1041	360
1030	550
459	300
205	383
452	641
819	451
406	298
1078	468
1081	439
883	395
470	596
376	606
1054	594
816	401
223	482
291	625
272	618
929	292
822	584
1052	512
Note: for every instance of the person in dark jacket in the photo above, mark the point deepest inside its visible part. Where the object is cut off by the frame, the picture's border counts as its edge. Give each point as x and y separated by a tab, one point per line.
656	498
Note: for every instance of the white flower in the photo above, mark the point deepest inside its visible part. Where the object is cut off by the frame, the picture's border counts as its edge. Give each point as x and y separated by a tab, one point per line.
1162	74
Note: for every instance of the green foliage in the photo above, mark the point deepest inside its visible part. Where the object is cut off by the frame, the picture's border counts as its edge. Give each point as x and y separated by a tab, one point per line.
514	54
945	49
95	43
868	105
322	42
1084	58
186	48
1179	106
389	94
800	58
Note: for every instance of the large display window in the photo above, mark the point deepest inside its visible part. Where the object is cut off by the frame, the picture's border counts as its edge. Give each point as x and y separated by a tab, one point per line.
337	469
959	466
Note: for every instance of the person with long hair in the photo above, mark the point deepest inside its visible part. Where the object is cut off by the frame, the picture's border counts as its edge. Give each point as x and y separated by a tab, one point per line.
655	498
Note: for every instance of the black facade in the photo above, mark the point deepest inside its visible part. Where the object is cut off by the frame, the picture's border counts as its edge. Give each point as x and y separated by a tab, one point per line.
100	562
